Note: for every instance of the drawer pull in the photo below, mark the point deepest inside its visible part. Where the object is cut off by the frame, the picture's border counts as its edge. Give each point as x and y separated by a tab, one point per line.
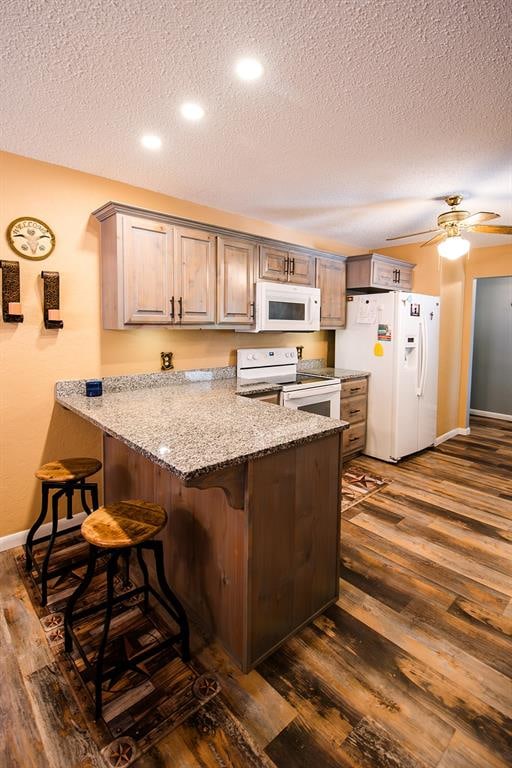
355	389
351	439
356	410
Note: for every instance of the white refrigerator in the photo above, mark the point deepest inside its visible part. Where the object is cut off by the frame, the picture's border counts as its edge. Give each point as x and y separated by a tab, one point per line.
395	337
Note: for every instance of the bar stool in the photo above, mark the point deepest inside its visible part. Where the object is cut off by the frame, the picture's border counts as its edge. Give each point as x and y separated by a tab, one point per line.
64	476
114	530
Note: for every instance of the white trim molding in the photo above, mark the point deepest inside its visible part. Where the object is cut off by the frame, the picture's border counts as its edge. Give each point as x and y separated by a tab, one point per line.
452	433
491	414
18	539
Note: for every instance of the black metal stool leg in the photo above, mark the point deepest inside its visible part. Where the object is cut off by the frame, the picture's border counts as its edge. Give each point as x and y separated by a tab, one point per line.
69	497
98	682
83	498
45	490
94	496
145	574
157	547
79	591
46	562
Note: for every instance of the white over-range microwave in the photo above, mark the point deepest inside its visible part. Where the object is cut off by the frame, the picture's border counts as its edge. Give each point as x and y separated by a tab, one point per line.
285	307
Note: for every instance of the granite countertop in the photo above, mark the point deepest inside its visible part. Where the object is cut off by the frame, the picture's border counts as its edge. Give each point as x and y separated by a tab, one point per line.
345	374
192	429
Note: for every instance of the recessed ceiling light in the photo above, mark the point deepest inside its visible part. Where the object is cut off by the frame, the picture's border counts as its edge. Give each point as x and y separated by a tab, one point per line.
150	141
192	111
249	69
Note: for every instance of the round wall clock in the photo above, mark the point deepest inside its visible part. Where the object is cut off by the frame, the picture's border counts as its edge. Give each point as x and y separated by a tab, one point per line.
30	238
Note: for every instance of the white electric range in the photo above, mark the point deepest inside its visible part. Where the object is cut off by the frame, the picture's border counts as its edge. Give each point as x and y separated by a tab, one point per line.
299	390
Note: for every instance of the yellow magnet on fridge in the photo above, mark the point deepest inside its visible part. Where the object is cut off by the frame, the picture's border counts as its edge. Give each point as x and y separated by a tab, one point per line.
378	349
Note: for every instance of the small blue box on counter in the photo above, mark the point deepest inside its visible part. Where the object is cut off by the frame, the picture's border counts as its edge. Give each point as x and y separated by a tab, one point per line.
93	388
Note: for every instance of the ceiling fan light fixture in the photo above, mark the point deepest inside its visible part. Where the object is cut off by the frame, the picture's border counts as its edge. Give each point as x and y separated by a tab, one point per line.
453	247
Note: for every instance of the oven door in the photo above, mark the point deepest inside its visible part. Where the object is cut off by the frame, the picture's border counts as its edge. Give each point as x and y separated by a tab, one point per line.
324	401
287	307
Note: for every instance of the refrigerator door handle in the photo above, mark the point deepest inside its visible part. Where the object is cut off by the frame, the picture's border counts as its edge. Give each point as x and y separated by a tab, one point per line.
424	358
419	364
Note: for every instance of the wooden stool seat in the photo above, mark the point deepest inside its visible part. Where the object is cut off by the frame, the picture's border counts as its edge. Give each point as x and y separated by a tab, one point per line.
124	524
65	470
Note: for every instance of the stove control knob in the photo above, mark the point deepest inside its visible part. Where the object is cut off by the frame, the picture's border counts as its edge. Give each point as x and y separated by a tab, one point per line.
255	357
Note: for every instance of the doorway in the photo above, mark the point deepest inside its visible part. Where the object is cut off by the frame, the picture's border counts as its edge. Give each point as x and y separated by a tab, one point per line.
491	370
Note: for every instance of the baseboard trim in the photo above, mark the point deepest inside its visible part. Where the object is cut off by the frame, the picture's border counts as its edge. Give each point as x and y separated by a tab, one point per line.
491	415
17	539
452	433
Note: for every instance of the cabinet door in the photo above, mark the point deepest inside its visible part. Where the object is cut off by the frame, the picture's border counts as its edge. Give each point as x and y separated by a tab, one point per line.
301	269
331	279
405	279
195	276
235	281
147	270
274	264
384	275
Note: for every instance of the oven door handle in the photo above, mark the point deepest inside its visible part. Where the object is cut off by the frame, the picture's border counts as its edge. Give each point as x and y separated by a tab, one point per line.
318	392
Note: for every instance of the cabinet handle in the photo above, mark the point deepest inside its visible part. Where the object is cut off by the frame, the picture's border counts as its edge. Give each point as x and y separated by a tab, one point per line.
398	276
293	266
357	410
355	389
251	310
287	265
352	439
172	307
180	307
394	275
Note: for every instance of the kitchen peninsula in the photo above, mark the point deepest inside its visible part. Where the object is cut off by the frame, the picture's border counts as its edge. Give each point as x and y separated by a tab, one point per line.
252	491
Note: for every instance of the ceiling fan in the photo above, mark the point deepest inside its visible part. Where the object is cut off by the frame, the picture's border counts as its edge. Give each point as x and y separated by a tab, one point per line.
452	223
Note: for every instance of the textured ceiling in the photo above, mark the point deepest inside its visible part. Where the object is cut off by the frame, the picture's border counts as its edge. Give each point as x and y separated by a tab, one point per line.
367	111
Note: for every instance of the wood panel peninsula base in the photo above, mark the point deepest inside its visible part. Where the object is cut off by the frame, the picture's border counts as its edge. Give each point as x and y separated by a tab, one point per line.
253	549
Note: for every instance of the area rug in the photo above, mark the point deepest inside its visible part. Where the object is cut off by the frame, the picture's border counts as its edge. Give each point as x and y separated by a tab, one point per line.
357	485
141	706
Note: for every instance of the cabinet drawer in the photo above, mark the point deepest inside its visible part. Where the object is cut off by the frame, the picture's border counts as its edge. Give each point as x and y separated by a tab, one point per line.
354	387
354	438
353	409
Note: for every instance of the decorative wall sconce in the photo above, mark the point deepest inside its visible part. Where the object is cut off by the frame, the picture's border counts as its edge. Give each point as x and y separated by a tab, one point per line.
51	310
11	305
166	358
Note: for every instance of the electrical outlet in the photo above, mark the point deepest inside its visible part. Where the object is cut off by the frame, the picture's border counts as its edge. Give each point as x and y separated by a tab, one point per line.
166	360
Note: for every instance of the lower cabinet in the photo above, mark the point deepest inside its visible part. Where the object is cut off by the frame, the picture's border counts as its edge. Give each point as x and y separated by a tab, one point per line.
331	279
353	407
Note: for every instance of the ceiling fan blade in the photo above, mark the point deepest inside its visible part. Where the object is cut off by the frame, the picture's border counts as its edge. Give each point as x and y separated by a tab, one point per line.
435	239
492	229
476	218
413	234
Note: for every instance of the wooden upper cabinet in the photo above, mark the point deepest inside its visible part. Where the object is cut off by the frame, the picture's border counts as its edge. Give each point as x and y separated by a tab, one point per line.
194	271
331	279
148	254
286	266
160	270
301	268
376	272
235	281
273	264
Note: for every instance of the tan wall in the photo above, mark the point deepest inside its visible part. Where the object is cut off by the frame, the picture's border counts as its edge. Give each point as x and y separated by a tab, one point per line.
33	429
495	261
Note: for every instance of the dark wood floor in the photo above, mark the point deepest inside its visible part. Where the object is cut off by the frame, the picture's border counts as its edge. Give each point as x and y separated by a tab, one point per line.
412	668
